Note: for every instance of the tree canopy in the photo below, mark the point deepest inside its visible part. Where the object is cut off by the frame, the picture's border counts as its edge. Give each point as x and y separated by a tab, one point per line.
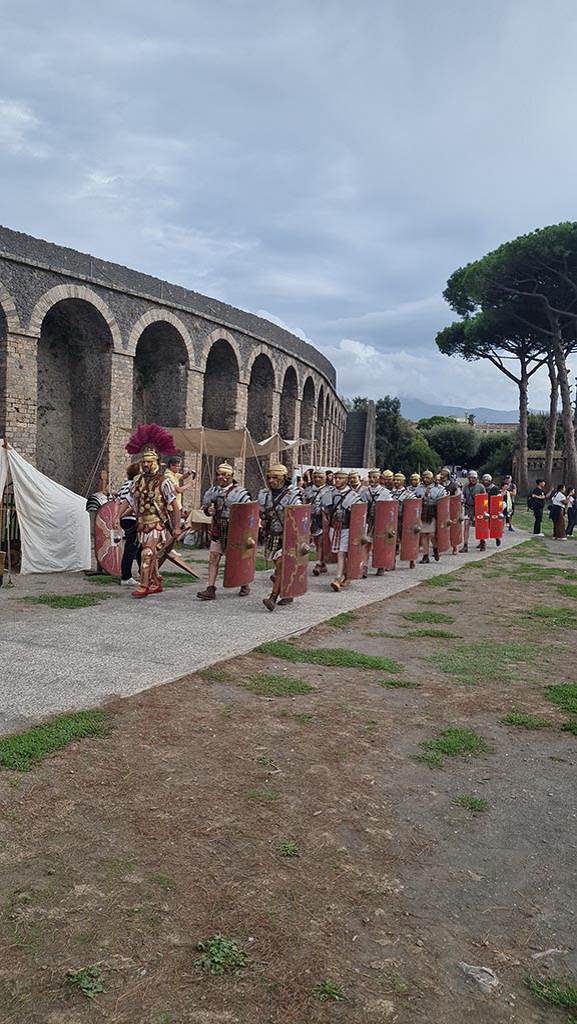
456	443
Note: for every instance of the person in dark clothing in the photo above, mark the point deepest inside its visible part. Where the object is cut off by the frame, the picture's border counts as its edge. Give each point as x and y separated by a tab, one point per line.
128	523
571	511
537	500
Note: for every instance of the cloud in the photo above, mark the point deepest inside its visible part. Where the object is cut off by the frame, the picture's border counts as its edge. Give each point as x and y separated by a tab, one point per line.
18	131
331	170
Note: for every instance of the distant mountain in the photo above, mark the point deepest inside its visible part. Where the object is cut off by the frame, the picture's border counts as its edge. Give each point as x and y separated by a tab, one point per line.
414	409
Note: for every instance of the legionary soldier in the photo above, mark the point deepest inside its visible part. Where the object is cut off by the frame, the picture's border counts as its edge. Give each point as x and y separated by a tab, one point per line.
399	492
448	481
375	491
386	478
319	495
430	492
344	497
273	500
217	503
414	485
492	490
152	498
470	490
355	482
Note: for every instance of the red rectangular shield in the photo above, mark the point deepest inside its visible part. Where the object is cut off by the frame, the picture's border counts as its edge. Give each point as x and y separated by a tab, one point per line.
443	527
329	556
411	532
296	545
482	516
456	516
385	534
496	517
357	555
241	545
108	540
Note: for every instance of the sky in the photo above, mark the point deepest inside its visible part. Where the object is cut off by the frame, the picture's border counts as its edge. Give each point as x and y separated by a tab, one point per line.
323	163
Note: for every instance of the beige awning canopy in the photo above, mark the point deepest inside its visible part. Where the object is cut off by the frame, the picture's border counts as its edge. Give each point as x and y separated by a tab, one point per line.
231	444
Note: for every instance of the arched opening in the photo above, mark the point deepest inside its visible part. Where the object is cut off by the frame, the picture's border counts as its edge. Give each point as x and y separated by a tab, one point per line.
219	398
320	431
288	408
220	387
259	417
307	420
160	377
327	434
73	377
3	360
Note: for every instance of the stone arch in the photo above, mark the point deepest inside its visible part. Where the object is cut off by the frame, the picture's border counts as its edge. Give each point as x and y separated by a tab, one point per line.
320	431
154	316
160	374
287	411
79	292
307	420
259	415
257	354
74	372
9	311
221	376
219	334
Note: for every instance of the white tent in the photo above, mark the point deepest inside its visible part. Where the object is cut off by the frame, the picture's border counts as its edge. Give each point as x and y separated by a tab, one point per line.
54	523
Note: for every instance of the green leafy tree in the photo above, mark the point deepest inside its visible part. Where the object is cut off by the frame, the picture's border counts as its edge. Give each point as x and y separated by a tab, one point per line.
393	432
489	443
538	427
534	280
500	460
456	443
418	456
496	335
433	421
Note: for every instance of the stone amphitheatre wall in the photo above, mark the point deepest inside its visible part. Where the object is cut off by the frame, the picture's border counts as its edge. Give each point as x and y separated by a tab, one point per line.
89	348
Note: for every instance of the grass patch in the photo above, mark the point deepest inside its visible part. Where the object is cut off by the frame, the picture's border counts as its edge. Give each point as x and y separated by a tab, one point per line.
540	573
288	848
87	980
329	992
398	684
19	752
432	617
342	620
104	581
555	991
270	685
265	794
452	742
524	720
212	674
568	589
444	580
485	661
332	656
561	617
441	604
68	600
564	695
177	579
570	726
475	804
434	634
220	956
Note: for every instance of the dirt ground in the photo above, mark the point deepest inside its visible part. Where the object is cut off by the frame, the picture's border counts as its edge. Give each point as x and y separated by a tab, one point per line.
129	850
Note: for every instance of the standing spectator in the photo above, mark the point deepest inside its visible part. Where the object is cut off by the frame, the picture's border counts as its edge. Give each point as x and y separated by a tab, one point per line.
536	503
511	486
470	489
571	511
558	506
128	524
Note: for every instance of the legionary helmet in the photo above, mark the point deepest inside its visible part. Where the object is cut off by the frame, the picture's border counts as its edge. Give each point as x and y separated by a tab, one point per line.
224	469
399	479
427	475
319	476
415	478
276	475
149	442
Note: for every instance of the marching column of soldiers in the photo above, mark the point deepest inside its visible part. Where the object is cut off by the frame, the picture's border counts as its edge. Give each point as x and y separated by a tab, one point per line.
345	522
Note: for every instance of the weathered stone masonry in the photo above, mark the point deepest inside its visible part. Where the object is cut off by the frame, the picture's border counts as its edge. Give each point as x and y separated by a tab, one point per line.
88	348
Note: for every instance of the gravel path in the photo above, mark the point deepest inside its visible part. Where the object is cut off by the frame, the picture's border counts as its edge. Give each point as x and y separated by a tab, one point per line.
58	660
